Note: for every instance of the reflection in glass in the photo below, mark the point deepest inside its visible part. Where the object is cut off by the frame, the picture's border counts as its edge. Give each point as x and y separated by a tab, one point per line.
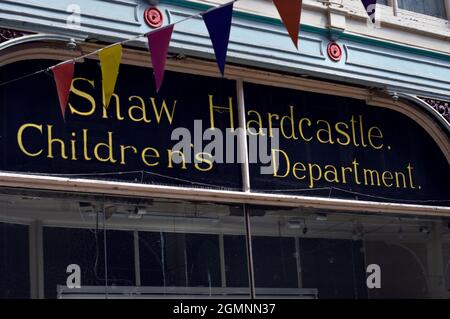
85	248
434	8
307	253
14	261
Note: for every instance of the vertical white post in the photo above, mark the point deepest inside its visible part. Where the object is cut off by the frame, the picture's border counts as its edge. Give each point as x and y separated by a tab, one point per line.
447	9
245	182
394	5
243	145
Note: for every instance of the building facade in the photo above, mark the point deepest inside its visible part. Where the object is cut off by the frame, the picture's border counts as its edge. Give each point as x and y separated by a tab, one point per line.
339	189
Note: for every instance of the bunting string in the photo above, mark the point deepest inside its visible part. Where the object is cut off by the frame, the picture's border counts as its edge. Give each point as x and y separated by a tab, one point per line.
123	42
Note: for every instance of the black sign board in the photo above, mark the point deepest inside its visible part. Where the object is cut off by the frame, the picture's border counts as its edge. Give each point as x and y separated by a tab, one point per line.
340	147
328	146
131	140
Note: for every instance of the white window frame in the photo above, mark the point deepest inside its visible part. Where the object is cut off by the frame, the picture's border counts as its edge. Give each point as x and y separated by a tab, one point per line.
396	8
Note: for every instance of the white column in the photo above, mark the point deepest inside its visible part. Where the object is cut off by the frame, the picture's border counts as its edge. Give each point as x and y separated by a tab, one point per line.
447	8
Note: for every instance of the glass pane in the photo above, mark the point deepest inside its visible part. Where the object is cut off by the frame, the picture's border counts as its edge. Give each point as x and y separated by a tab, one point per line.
236	268
307	253
85	248
189	259
434	8
274	261
334	266
385	2
192	249
14	261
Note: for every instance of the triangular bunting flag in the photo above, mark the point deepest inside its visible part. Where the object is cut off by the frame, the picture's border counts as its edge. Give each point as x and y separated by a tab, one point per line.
218	23
109	62
63	74
370	6
290	12
158	45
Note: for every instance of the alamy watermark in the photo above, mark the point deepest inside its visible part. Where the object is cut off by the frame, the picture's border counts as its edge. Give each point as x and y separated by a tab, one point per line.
227	146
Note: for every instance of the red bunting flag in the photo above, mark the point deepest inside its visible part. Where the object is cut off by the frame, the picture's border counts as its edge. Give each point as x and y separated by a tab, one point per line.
63	74
290	12
158	45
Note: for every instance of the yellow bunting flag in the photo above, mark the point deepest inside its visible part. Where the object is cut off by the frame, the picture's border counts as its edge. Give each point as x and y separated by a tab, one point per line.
110	61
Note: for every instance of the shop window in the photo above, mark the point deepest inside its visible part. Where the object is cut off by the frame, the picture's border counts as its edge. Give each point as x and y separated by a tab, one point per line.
434	8
236	268
14	261
85	248
193	249
404	268
348	255
179	260
334	266
275	262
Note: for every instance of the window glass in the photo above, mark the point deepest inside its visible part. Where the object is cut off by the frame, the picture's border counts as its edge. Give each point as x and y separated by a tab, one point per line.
14	261
236	268
179	260
306	253
275	262
434	8
86	249
195	249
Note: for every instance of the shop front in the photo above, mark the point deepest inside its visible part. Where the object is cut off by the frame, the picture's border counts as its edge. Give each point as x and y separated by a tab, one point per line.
339	196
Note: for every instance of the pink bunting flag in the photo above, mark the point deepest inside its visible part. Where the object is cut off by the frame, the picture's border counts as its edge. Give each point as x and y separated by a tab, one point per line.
63	74
158	45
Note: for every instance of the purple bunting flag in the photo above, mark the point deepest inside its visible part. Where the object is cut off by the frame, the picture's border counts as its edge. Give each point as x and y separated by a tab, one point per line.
218	23
158	45
370	6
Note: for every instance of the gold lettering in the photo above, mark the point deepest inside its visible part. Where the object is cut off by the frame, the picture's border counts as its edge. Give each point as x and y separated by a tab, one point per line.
300	128
290	118
220	109
84	95
139	108
257	122
330	169
312	178
20	139
301	169
327	130
164	108
116	99
108	147
372	173
387	177
397	179
201	157
123	148
371	136
144	156
52	140
179	153
410	168
275	116
342	132
276	164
